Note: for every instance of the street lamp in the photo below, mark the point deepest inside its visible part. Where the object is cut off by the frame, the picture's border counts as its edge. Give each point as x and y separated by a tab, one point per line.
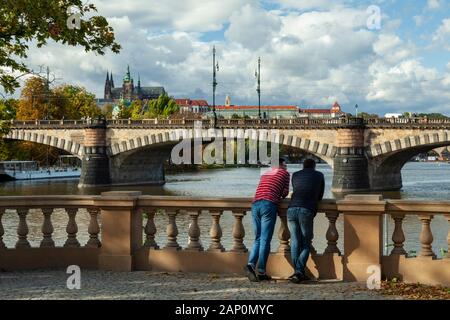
215	70
258	89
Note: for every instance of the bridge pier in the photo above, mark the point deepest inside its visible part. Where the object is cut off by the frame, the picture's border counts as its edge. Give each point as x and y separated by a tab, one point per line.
95	162
350	163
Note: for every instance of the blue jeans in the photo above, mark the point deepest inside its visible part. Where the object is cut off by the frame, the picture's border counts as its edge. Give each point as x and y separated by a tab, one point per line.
301	223
264	215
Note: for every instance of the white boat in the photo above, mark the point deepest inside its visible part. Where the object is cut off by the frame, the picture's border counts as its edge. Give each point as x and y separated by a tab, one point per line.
29	170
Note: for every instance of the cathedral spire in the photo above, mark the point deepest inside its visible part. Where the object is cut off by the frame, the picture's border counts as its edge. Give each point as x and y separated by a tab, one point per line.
107	76
139	80
112	80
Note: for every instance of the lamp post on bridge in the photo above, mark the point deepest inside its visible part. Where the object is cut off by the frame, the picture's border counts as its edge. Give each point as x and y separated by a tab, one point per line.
258	89
215	70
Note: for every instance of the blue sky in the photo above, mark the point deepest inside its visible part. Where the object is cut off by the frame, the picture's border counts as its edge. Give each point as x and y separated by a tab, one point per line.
313	51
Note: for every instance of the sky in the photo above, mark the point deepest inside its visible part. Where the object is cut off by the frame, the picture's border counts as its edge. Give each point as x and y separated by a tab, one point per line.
384	55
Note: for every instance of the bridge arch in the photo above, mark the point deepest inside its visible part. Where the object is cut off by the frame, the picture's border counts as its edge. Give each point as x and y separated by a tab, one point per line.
387	159
128	157
324	151
61	143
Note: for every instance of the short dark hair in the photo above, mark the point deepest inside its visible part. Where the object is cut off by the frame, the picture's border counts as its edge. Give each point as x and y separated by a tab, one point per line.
281	161
309	164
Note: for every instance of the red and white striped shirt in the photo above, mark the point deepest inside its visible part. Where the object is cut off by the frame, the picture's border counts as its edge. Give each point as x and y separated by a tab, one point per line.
273	186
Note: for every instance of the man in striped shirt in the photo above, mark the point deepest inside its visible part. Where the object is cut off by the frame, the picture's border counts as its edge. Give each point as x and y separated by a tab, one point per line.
273	186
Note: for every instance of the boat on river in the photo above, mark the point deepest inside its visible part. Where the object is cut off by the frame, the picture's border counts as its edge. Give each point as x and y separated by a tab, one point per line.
30	170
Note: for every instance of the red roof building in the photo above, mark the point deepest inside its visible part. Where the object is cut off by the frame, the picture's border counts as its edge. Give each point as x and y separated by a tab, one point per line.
334	112
195	106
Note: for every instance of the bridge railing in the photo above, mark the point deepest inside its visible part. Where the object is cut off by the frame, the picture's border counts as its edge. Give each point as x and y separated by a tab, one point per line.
127	231
229	123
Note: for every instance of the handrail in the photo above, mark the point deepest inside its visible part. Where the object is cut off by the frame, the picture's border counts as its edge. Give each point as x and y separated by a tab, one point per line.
226	123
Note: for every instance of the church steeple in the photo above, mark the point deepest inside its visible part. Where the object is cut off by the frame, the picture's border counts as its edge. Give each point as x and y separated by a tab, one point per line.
108	87
112	81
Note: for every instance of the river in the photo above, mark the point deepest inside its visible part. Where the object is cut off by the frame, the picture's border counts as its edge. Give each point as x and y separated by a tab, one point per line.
428	181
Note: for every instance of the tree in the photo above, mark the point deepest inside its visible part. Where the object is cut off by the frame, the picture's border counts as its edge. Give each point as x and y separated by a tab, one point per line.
22	21
75	102
34	100
137	110
366	115
8	109
163	106
108	111
37	101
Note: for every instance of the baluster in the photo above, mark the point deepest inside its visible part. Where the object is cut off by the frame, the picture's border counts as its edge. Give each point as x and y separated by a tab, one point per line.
194	232
426	236
283	234
398	237
448	236
2	231
216	232
332	233
22	229
93	229
47	229
172	231
150	230
72	229
238	232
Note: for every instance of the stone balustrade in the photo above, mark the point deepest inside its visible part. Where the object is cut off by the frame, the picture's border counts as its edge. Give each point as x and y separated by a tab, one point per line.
123	236
234	123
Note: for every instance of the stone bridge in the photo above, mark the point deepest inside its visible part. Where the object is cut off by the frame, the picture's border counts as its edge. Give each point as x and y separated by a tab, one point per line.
366	155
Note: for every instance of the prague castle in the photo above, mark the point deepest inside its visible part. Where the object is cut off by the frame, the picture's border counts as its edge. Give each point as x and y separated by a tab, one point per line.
128	91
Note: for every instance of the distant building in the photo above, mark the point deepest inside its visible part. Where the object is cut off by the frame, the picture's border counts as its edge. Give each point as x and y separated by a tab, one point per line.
192	106
334	112
128	91
229	111
272	112
393	115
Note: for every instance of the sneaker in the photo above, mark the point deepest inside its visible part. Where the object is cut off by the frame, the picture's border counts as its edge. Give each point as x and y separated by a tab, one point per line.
298	277
295	278
250	273
264	277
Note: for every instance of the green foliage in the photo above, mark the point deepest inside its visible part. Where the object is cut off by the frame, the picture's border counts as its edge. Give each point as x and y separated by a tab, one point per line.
366	115
136	110
235	116
108	110
75	102
433	115
23	21
164	106
8	109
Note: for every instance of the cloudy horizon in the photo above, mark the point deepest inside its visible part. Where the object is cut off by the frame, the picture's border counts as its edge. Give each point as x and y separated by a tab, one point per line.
313	52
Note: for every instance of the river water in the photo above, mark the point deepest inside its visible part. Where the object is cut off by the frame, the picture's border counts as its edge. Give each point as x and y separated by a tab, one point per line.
428	181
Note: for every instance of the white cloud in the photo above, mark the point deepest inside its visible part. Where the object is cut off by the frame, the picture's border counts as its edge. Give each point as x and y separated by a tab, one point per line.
308	57
442	34
434	4
252	27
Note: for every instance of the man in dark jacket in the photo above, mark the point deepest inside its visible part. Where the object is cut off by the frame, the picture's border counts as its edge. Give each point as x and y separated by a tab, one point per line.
309	186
